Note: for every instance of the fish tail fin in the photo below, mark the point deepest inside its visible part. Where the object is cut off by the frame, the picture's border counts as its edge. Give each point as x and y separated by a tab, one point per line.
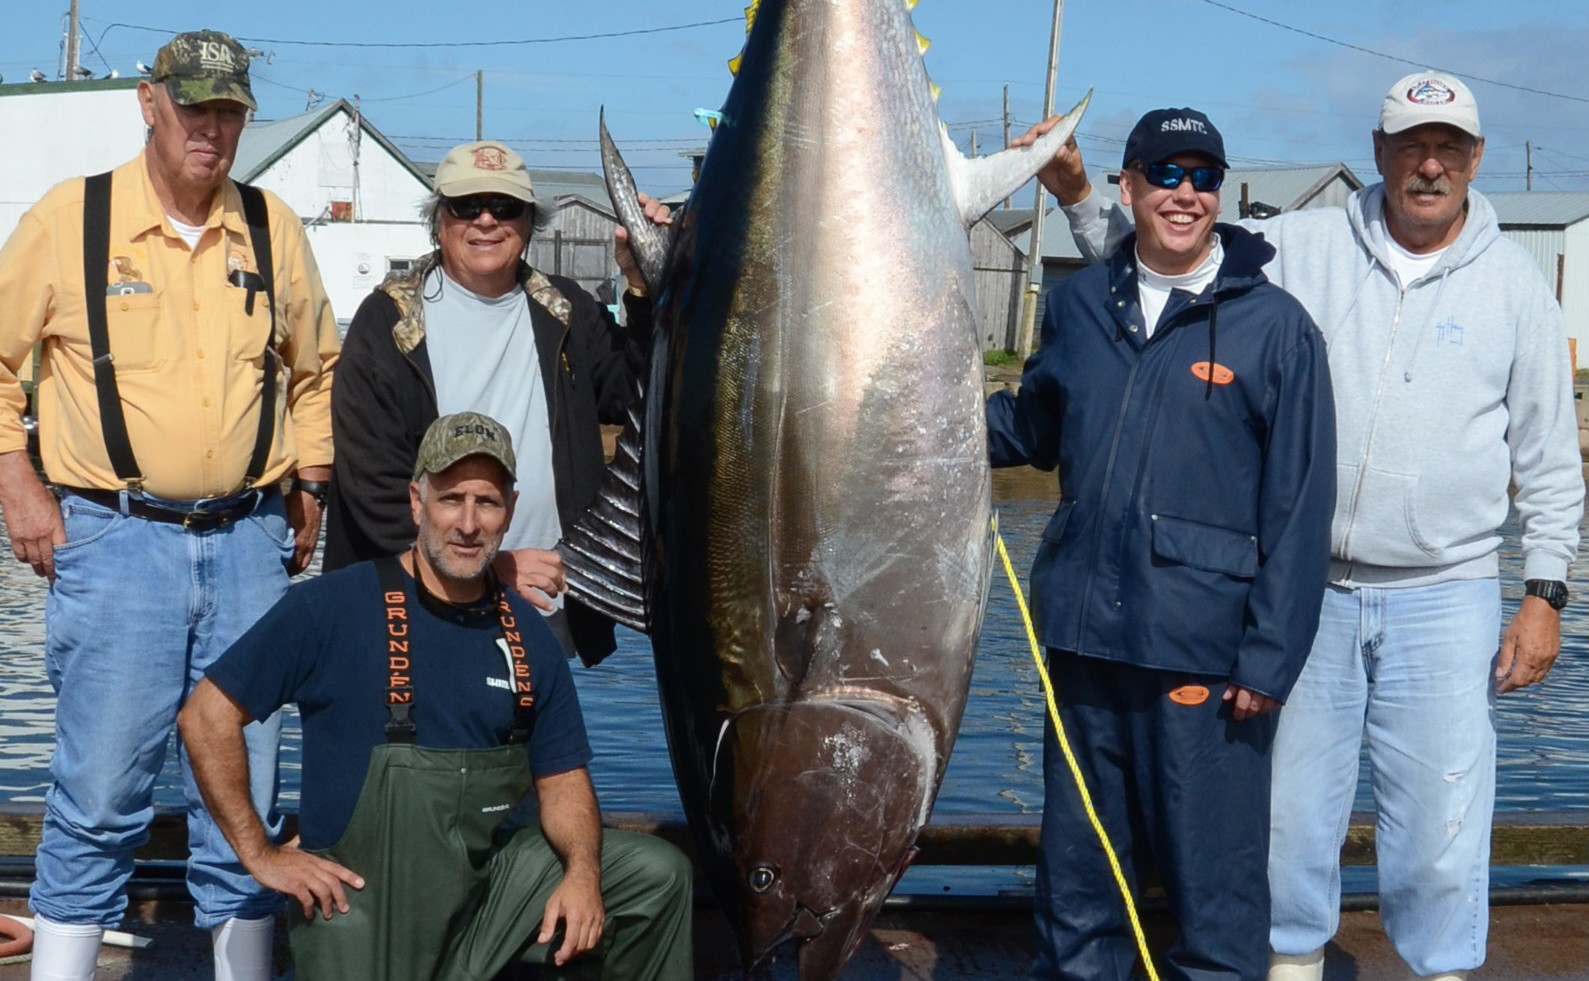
982	182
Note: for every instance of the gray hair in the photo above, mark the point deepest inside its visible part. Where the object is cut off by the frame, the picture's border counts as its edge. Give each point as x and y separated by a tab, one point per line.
435	202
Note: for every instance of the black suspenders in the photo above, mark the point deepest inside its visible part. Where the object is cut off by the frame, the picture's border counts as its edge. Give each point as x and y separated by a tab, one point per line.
399	659
96	259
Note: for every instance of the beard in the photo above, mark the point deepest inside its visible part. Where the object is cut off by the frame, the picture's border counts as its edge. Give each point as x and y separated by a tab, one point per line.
455	568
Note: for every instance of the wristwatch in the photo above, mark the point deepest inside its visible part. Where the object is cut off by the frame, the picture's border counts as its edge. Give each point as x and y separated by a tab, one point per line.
317	489
1552	591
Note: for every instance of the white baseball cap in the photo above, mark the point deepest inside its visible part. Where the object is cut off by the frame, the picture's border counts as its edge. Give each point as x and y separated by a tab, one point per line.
1429	97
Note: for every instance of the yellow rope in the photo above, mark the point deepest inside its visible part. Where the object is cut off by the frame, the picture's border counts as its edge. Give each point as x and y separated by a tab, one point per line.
1070	760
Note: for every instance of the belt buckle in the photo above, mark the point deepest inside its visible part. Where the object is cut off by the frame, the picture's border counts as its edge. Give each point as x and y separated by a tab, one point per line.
203	521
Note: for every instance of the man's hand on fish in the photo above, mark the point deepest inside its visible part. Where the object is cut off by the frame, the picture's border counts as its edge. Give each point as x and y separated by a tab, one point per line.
534	573
1065	176
658	214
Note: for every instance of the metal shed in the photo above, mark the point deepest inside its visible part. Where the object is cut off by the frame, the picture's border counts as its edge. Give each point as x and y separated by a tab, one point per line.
1553	226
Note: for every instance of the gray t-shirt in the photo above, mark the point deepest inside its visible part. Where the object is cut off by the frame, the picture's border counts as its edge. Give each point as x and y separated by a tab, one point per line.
482	354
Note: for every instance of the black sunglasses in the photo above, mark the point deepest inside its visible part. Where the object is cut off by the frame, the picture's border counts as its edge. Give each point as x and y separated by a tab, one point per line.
501	208
1168	175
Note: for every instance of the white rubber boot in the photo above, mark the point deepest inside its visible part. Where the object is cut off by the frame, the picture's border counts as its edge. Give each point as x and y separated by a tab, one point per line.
1302	967
65	951
243	949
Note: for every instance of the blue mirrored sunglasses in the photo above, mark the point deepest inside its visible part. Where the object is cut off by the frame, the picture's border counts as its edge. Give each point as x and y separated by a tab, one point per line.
1168	175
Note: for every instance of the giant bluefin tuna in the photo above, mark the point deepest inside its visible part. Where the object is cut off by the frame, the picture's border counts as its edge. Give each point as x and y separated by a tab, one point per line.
814	470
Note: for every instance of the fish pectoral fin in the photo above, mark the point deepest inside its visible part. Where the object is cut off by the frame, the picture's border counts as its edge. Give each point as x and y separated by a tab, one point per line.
650	244
983	182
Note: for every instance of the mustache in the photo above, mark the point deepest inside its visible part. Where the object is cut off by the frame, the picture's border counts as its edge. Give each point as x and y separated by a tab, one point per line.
1420	184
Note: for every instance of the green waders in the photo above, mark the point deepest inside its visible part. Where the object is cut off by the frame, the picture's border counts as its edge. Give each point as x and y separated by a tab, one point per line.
452	895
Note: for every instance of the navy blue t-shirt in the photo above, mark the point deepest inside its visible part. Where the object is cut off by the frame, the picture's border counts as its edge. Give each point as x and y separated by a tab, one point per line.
323	646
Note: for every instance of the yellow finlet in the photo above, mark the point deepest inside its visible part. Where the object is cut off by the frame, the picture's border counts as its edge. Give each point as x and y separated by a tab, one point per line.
750	21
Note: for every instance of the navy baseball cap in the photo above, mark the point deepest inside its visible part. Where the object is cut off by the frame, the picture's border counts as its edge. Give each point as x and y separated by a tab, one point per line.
1163	133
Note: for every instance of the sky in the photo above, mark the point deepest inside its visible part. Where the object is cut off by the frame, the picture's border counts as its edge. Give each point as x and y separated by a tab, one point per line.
1286	81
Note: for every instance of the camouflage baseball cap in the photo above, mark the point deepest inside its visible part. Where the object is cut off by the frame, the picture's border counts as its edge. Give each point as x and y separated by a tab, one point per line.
201	66
464	434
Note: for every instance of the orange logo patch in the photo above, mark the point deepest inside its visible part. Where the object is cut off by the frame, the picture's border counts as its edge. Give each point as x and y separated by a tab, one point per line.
1189	695
1222	374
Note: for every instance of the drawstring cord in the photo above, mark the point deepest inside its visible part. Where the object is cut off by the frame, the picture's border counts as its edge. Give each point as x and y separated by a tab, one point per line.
1070	759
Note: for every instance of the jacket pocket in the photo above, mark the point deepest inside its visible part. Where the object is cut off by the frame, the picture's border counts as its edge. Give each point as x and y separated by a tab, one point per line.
1207	547
1054	531
1384	528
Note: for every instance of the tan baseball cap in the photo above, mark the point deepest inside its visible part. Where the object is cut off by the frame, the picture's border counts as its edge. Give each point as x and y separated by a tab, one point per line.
464	434
486	167
1429	97
202	66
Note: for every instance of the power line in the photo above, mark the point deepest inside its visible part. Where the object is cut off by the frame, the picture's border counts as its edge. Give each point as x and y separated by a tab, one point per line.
1388	57
415	95
637	32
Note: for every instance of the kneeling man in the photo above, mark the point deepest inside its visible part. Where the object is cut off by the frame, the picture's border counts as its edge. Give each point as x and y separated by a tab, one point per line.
432	700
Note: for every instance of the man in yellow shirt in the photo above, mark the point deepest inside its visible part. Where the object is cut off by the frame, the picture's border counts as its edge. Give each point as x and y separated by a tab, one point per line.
185	378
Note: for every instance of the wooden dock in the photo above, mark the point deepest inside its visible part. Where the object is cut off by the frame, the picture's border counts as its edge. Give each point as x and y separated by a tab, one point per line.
1537	932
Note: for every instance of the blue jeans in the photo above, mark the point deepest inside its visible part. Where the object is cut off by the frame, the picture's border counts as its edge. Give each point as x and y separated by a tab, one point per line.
1413	669
137	611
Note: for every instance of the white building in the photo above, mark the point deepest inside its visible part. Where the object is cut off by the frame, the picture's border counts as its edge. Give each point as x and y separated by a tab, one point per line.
59	130
358	195
1554	227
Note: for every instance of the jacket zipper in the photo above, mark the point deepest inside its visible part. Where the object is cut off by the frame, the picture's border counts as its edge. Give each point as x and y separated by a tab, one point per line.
1103	494
1373	427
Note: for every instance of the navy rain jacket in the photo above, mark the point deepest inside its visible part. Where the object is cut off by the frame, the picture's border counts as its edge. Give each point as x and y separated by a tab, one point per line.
1193	529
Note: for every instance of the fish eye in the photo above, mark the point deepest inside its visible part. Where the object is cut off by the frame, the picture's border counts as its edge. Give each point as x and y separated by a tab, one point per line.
762	878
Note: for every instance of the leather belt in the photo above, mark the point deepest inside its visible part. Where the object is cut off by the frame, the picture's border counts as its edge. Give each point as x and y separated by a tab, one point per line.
209	515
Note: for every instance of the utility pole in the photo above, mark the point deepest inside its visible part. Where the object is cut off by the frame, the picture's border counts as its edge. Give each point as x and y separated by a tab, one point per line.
358	143
973	143
71	43
1528	181
479	105
1006	125
1034	255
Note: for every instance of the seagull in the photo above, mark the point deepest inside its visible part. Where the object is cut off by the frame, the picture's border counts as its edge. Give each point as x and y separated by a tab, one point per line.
144	69
36	75
82	72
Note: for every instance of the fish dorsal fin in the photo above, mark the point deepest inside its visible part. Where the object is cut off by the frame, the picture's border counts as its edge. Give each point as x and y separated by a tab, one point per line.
982	182
649	243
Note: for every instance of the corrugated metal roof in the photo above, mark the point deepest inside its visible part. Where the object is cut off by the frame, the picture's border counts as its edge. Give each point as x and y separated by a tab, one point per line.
263	143
1556	209
1007	220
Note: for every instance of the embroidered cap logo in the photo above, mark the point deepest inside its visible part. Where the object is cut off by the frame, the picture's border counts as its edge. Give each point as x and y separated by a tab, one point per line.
490	158
1431	92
